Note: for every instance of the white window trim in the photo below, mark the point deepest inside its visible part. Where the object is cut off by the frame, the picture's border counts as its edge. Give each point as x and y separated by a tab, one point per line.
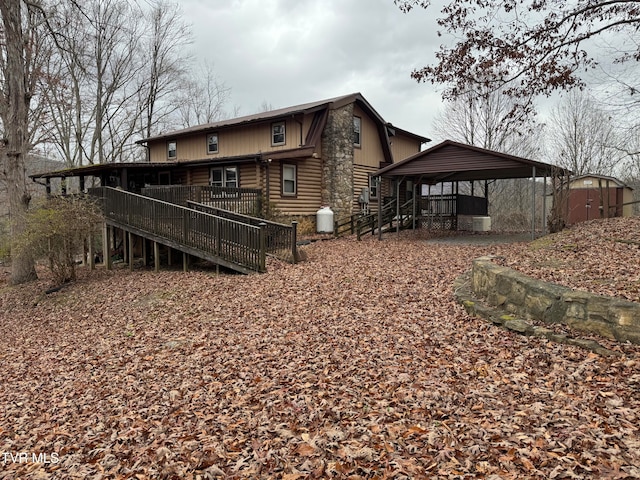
175	149
284	133
210	152
374	187
295	180
357	121
224	180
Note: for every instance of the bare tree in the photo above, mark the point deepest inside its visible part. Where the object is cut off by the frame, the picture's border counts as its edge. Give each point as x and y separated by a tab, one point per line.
94	105
584	138
19	30
203	98
488	120
167	66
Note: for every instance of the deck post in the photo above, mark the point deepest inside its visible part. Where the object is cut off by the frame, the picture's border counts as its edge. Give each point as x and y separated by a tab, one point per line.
125	245
91	253
106	250
263	251
169	259
144	251
294	242
130	250
156	256
185	262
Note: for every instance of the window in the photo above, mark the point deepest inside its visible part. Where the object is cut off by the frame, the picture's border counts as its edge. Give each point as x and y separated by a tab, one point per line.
374	182
289	181
224	177
357	129
212	143
278	133
172	150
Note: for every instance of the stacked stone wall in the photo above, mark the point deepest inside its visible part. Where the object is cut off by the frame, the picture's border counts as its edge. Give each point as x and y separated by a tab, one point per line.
516	293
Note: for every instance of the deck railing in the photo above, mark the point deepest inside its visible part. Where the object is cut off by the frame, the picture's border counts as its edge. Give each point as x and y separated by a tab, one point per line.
452	205
246	201
435	208
230	241
280	239
361	224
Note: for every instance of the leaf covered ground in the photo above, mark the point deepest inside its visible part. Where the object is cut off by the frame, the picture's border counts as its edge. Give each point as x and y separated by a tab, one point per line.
354	364
600	256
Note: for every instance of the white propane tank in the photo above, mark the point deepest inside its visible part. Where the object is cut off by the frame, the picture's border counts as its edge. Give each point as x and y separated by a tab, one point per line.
324	220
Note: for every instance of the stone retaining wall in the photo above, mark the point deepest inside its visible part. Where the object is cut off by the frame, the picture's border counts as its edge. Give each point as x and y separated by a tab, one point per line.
534	299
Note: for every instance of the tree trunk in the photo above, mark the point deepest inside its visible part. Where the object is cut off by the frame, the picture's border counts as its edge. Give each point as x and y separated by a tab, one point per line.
15	111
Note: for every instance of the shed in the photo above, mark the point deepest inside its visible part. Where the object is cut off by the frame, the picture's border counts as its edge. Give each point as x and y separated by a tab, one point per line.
594	196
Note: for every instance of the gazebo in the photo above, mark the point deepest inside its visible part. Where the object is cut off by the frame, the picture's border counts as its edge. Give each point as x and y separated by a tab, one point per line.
455	162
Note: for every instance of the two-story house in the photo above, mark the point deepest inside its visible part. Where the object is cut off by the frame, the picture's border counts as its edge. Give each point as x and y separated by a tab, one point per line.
302	157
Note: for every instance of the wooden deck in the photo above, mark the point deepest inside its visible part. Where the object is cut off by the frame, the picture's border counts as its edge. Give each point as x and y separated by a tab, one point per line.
229	243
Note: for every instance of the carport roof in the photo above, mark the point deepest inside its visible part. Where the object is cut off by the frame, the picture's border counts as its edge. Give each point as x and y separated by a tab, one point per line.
451	161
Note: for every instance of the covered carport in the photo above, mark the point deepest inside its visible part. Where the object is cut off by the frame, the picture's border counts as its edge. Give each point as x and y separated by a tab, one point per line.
453	162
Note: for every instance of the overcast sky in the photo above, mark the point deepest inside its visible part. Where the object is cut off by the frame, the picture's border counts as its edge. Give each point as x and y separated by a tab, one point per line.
288	52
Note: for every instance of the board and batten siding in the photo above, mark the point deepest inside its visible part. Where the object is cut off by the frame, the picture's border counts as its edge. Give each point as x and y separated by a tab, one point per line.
369	153
309	177
403	147
245	140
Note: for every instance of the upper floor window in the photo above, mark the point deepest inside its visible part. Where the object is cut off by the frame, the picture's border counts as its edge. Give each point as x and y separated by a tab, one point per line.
289	180
212	143
172	149
357	129
278	133
224	177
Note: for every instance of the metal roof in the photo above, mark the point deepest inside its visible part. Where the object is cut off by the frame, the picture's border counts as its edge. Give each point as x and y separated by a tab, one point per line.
617	182
452	161
272	115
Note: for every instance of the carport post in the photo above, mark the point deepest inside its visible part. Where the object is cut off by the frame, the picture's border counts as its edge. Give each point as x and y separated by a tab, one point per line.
533	204
398	204
415	210
544	205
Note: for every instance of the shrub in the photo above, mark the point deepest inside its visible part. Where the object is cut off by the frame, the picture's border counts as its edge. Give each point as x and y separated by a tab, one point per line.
57	230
